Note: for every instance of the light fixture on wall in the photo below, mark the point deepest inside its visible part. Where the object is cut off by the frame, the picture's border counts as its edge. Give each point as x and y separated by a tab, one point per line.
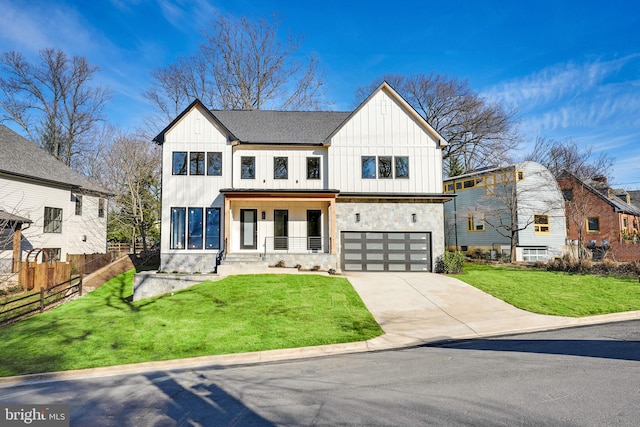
357	217
84	237
414	218
264	215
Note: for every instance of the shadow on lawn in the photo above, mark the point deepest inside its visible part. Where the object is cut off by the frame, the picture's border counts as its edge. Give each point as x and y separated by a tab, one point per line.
607	349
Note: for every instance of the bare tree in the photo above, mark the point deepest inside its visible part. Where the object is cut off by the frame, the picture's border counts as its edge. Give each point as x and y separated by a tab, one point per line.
53	100
131	169
479	133
561	156
242	64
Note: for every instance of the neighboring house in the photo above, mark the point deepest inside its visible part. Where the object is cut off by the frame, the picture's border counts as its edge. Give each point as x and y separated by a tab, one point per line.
493	202
600	216
357	190
55	207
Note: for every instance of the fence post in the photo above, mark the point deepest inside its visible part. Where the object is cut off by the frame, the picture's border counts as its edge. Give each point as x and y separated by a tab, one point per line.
41	300
80	287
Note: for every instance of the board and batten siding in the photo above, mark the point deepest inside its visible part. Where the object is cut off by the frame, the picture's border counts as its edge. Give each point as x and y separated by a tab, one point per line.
381	127
195	132
264	168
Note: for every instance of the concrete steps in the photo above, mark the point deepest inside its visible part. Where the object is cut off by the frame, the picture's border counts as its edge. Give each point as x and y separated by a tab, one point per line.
242	263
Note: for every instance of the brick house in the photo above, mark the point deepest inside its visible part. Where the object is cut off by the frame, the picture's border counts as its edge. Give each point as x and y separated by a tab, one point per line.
600	217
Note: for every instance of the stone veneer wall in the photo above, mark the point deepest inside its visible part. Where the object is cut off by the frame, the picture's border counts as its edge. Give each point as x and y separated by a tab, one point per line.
188	262
391	216
324	262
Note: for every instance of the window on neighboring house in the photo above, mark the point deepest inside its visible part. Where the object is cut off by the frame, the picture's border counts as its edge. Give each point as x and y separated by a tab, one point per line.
458	186
178	227
470	183
475	221
313	167
402	167
280	168
541	224
593	225
247	167
179	166
196	163
625	222
384	167
212	229
568	194
448	188
519	175
100	208
368	167
194	230
214	163
77	200
52	220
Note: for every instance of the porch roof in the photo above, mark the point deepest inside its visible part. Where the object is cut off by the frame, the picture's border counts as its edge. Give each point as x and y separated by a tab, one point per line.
6	217
271	194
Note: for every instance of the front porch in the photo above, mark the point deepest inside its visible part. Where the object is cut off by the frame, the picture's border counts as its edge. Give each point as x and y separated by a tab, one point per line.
290	228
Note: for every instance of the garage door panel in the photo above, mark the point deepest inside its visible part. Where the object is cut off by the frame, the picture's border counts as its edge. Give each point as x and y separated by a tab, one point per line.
386	251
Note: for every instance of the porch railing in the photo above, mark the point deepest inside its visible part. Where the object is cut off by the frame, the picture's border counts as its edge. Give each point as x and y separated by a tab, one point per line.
297	245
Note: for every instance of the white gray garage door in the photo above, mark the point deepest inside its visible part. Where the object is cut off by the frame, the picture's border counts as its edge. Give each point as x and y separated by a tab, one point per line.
386	251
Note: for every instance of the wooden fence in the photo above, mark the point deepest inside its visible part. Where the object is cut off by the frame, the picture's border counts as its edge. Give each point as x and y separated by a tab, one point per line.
14	309
124	248
32	274
89	263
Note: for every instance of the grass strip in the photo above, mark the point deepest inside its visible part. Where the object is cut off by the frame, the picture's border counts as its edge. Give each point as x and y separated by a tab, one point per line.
554	293
233	315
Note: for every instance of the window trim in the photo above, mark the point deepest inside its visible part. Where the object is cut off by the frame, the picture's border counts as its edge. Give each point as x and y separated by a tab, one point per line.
595	230
475	220
319	167
52	223
253	166
211	156
184	170
283	167
539	227
77	200
101	206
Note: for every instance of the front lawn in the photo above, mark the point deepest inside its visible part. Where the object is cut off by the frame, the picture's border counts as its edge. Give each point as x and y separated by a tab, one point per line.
236	314
555	293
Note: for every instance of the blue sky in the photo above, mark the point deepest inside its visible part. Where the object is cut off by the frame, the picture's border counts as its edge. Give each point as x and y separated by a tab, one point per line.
571	68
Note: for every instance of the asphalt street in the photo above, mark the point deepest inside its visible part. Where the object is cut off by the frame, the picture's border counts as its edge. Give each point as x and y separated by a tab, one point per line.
588	376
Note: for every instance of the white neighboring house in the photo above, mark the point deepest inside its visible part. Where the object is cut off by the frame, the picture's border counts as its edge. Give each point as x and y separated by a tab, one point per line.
484	201
58	208
358	190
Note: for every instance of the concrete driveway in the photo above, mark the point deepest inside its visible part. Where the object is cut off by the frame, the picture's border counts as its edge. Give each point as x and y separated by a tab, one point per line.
415	308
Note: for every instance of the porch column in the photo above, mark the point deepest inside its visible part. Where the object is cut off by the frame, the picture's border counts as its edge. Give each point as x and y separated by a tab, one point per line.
332	227
227	223
17	238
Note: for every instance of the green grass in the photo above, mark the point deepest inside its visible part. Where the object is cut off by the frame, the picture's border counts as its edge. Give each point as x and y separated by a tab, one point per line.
555	293
236	314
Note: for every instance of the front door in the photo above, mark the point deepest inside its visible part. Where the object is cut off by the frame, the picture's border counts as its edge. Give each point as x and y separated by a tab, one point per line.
248	229
280	229
314	230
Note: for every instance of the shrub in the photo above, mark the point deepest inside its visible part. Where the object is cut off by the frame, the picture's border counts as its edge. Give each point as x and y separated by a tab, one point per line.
450	263
280	263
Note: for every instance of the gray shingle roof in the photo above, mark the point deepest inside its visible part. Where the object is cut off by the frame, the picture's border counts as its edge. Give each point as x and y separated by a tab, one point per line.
21	157
281	127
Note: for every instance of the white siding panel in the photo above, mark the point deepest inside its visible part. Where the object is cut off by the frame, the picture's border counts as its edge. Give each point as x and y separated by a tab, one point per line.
382	127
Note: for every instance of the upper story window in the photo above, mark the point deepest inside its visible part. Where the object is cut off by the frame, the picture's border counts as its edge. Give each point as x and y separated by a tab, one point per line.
214	163
384	167
100	208
541	224
568	194
179	165
280	168
368	167
402	167
593	225
52	220
77	200
247	167
313	167
196	163
519	175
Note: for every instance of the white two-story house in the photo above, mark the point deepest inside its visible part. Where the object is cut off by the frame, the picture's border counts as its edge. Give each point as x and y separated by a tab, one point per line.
352	191
53	207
